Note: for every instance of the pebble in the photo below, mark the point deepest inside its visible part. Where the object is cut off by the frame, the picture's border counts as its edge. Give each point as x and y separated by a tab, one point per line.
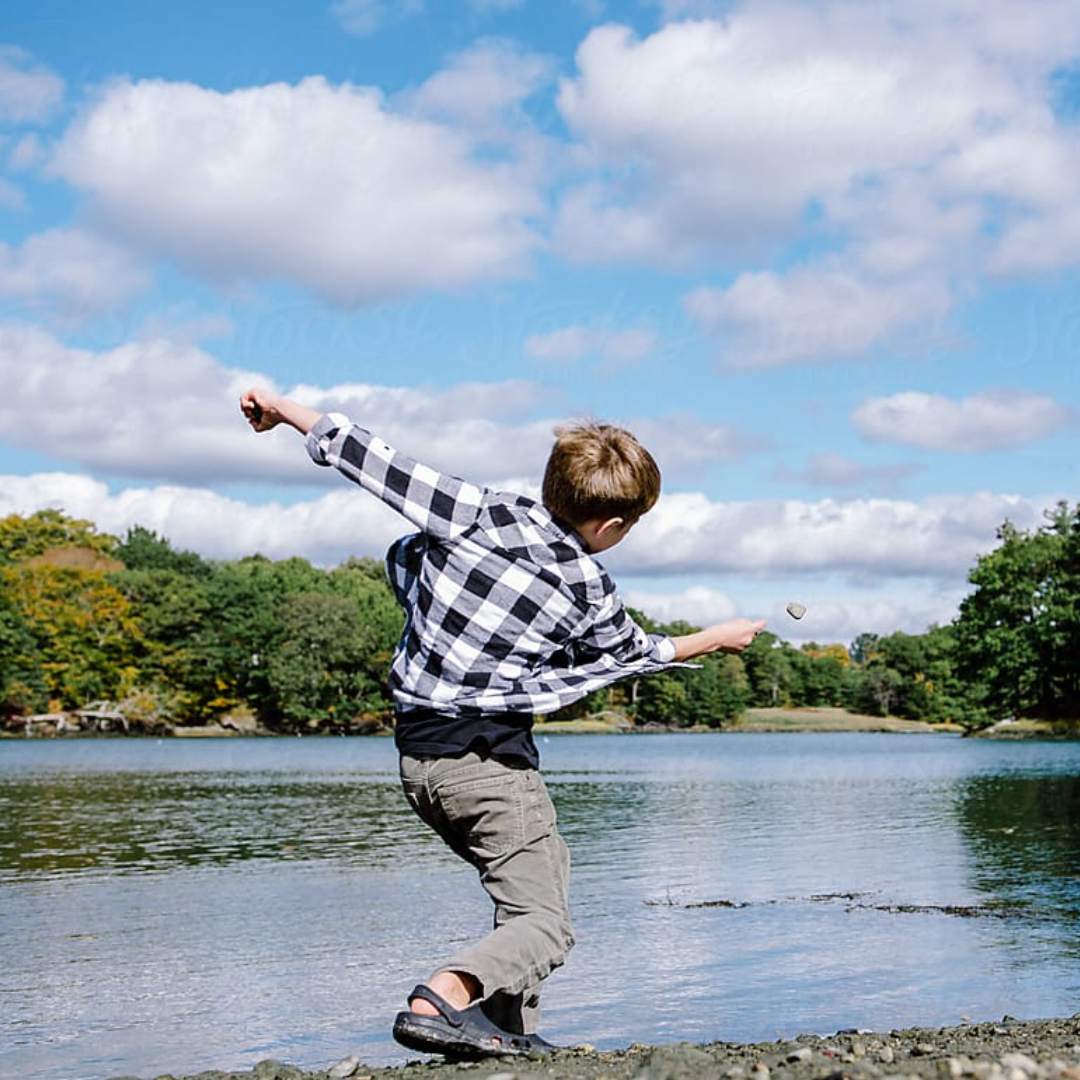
995	1050
349	1066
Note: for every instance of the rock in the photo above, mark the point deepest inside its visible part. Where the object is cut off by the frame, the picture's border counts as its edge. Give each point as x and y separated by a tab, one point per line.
993	1050
346	1067
1020	1062
681	1061
277	1070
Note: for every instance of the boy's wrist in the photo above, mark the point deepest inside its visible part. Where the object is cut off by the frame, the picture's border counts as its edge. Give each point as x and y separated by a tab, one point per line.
296	415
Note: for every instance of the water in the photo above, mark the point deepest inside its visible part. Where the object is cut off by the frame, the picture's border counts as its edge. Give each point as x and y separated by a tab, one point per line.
188	905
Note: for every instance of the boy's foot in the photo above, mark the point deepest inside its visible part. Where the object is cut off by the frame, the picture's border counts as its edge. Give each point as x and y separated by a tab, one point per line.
465	1034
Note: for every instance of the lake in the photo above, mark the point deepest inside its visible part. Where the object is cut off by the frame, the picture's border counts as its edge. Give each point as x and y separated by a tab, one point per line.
183	905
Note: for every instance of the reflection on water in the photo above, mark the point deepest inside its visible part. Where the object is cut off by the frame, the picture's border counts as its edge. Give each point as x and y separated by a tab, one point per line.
183	906
129	823
1024	835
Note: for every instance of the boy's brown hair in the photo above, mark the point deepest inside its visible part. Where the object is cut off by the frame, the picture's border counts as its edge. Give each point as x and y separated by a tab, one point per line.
598	471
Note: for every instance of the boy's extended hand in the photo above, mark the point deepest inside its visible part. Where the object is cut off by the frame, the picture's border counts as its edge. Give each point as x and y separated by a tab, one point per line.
264	410
729	637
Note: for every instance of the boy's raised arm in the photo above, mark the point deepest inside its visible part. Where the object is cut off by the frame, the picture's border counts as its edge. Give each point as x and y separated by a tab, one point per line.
729	637
265	410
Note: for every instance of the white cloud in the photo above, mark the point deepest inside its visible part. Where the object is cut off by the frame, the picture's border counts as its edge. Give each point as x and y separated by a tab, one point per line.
362	18
565	345
1037	243
481	87
26	153
150	408
858	567
326	530
834	613
909	147
733	126
857	538
813	313
11	197
575	342
993	420
830	470
697	605
29	93
316	184
72	272
165	409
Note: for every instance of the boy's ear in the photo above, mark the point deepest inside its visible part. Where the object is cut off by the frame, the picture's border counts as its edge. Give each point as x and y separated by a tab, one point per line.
600	534
610	526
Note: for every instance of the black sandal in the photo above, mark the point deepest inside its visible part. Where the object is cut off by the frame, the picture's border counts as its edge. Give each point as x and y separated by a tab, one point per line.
465	1034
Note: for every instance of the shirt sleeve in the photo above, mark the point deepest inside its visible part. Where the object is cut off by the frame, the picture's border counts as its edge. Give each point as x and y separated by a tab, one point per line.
615	634
436	503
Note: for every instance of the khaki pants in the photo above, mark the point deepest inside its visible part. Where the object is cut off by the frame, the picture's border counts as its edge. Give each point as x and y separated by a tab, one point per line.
500	819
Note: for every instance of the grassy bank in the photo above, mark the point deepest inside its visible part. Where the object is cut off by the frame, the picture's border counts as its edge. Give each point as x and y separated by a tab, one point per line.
828	720
755	720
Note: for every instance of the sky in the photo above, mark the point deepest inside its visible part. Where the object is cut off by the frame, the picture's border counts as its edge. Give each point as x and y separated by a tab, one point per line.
820	256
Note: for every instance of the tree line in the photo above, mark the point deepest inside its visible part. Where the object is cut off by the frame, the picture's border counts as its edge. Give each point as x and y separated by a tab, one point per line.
170	639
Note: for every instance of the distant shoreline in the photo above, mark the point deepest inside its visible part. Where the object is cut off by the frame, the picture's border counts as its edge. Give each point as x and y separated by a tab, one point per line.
755	720
758	720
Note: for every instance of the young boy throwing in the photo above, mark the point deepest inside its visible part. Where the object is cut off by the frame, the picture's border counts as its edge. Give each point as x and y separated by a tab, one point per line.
507	615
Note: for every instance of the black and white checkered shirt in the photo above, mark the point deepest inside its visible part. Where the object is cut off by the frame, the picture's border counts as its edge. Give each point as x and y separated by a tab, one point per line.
506	612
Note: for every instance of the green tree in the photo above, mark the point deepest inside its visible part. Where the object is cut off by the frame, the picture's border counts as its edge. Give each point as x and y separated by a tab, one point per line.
770	669
143	549
231	645
1062	680
934	693
718	691
1017	633
173	612
20	682
877	690
820	671
261	643
317	670
661	699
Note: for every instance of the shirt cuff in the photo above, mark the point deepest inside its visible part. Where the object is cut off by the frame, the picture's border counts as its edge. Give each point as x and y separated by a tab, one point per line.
665	650
322	431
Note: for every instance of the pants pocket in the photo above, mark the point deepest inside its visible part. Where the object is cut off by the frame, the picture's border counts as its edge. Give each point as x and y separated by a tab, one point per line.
499	813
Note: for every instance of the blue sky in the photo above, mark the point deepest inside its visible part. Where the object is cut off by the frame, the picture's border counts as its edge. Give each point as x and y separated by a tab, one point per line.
821	256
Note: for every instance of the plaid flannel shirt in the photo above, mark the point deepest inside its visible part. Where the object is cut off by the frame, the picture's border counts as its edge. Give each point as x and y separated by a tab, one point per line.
506	612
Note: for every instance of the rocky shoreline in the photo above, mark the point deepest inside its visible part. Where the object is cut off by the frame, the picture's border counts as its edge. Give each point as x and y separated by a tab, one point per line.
1006	1049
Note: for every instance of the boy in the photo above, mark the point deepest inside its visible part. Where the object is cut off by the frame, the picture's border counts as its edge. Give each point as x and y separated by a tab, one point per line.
507	615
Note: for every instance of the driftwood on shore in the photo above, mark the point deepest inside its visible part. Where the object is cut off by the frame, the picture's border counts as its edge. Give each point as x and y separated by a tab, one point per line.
98	717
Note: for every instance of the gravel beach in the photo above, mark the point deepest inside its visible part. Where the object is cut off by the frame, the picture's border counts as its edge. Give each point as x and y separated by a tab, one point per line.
1006	1049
